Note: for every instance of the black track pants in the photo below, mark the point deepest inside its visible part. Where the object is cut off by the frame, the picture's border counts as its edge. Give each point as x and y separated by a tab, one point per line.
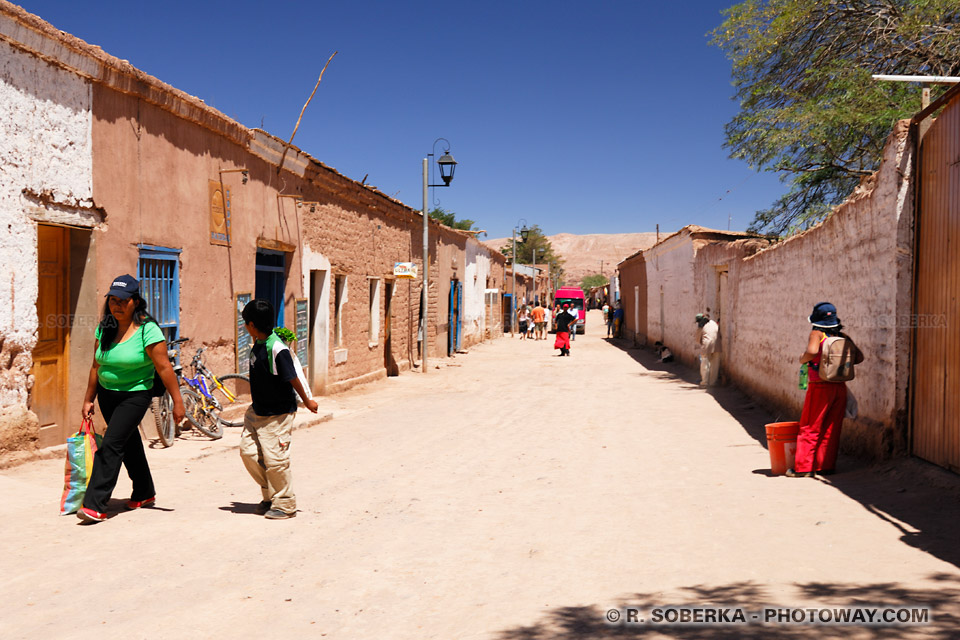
122	411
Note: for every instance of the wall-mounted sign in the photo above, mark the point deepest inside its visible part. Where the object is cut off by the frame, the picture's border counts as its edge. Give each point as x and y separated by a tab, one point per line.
405	270
303	317
219	214
244	341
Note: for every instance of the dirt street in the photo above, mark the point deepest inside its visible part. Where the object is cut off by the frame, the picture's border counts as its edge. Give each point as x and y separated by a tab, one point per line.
509	494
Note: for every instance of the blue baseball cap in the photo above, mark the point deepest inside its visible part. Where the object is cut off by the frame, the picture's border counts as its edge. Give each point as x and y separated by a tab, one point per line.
824	316
123	287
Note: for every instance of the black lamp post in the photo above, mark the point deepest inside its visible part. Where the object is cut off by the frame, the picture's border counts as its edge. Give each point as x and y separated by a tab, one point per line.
447	166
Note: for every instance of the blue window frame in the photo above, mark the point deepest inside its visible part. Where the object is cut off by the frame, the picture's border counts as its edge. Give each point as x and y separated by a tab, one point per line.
271	277
159	273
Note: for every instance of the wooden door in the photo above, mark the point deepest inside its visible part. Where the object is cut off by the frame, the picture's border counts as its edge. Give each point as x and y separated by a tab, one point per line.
936	358
48	396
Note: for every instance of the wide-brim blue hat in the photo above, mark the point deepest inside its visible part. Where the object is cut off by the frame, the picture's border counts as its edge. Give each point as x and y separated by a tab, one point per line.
824	316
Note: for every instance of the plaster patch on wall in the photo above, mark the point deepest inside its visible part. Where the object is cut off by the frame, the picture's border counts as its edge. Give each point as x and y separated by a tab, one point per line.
474	285
45	148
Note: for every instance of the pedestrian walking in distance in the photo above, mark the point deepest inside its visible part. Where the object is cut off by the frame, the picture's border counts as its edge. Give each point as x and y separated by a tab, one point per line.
708	333
564	321
268	423
539	322
523	317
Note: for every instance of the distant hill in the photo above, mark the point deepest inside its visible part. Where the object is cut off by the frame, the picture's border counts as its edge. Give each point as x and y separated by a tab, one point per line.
582	253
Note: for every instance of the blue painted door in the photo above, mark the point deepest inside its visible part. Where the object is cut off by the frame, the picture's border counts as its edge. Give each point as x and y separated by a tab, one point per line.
271	280
454	318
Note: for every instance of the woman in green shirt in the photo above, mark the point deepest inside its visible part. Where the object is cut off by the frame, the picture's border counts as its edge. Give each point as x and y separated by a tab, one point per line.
130	347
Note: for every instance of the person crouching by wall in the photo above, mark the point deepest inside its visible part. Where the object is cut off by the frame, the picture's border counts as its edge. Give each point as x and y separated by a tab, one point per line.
824	404
663	353
130	349
268	423
708	332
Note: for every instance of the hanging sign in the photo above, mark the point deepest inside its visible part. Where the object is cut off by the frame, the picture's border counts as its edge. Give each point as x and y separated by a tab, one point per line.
219	213
405	270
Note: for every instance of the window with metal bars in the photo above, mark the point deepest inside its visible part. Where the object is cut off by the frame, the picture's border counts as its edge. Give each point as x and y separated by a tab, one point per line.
159	275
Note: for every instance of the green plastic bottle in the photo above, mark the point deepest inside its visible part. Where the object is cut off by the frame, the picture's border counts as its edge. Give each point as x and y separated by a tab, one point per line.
804	376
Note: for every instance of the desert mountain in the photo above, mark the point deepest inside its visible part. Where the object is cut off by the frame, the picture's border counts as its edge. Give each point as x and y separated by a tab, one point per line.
582	254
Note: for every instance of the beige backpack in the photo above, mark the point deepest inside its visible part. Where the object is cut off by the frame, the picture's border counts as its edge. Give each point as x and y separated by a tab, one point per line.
838	355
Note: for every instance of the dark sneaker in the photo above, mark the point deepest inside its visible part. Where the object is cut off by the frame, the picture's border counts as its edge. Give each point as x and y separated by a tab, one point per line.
262	507
796	474
276	514
89	515
136	504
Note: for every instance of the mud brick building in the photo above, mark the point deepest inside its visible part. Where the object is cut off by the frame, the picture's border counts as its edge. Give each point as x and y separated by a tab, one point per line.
105	170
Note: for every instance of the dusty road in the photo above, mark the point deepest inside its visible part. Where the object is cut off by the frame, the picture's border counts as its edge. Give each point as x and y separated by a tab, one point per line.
511	495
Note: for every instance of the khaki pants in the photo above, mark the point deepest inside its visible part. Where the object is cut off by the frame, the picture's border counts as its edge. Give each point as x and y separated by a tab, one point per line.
709	369
265	450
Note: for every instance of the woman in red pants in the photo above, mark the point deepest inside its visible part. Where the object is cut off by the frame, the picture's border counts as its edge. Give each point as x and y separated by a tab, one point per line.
824	405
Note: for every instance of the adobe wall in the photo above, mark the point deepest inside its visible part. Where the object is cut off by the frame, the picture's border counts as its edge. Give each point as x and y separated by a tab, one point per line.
478	263
716	294
524	287
496	284
451	265
152	179
361	240
860	259
45	174
633	299
670	280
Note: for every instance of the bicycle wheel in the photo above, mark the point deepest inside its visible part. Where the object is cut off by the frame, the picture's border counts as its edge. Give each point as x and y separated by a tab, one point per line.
234	398
199	415
163	416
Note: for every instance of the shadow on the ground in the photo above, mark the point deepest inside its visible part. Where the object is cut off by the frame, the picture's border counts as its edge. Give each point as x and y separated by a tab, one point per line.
748	413
242	507
590	622
918	498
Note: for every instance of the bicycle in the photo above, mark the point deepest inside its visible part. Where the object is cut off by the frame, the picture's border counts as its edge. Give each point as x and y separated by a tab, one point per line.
208	406
218	400
162	406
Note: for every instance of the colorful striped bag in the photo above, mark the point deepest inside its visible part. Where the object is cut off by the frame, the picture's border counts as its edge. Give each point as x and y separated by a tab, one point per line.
80	449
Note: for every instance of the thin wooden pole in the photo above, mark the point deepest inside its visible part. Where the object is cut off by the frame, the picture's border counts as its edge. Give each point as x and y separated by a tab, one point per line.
290	143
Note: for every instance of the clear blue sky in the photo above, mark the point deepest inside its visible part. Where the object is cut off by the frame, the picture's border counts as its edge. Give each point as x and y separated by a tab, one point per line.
582	117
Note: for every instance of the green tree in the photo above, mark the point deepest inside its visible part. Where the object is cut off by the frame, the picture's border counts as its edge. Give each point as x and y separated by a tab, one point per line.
449	218
591	281
535	241
808	107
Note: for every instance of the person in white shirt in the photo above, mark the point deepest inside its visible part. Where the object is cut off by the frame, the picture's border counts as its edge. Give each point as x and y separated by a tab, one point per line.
708	334
523	317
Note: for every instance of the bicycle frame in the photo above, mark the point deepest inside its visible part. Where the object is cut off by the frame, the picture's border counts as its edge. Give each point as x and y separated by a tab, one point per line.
199	383
206	373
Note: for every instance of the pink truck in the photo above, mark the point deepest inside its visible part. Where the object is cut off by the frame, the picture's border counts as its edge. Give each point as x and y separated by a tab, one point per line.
574	297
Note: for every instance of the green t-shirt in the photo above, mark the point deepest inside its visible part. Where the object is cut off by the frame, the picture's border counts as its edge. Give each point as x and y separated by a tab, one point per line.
126	366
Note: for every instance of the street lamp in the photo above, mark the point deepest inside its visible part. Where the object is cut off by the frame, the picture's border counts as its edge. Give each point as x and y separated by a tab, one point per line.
447	165
524	234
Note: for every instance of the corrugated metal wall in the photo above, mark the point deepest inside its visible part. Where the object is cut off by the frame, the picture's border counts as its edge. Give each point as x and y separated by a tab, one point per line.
936	361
